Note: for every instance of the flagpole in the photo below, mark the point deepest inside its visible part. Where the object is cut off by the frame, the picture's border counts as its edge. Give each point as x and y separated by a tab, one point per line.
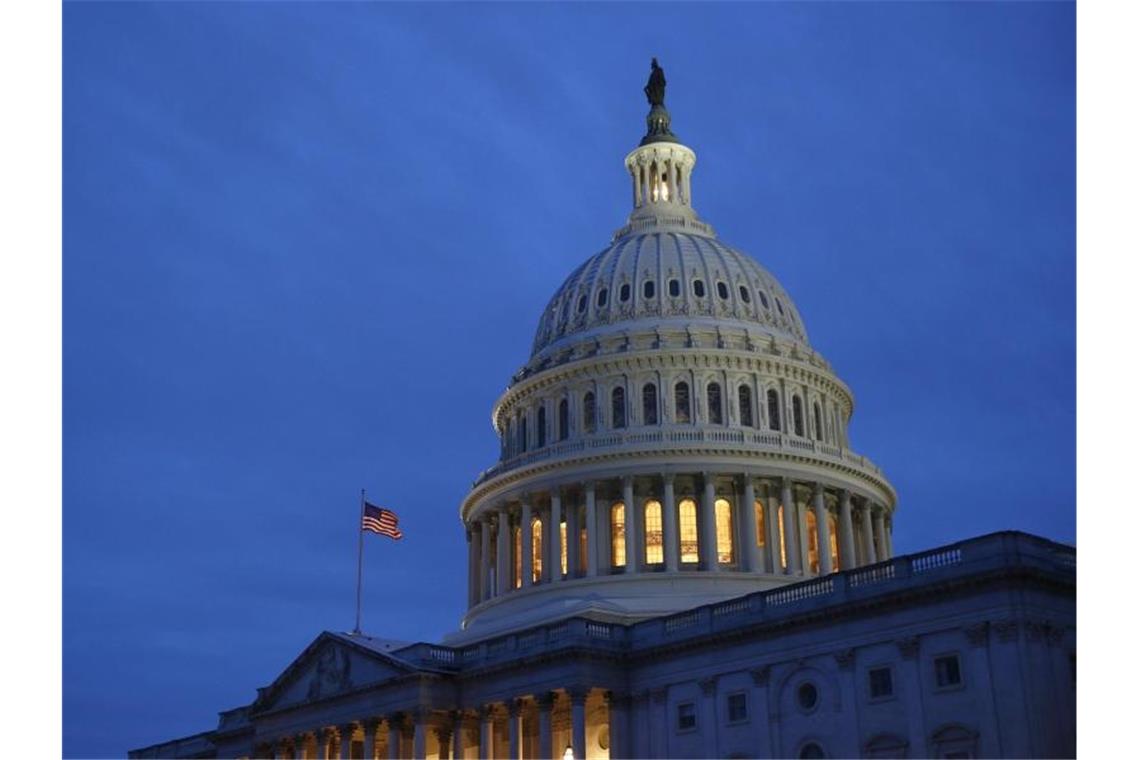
359	559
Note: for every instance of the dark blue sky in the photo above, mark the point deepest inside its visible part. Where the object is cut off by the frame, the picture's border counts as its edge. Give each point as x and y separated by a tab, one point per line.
305	246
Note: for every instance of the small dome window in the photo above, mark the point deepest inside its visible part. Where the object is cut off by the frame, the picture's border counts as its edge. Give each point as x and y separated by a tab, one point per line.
807	695
763	298
581	303
674	288
744	295
603	294
779	307
648	290
722	290
623	294
699	288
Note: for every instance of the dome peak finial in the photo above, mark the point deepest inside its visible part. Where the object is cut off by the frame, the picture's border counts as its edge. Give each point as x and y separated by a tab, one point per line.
658	119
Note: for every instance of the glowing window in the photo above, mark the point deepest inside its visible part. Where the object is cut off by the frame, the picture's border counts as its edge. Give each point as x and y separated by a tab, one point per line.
618	405
744	396
582	548
617	533
773	410
681	402
516	576
798	415
562	544
783	543
722	290
724	543
623	293
716	413
674	288
649	404
648	290
589	412
563	420
654	537
761	533
813	542
833	541
536	550
690	549
745	295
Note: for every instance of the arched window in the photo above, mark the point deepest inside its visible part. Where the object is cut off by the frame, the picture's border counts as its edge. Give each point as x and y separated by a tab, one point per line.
818	422
617	534
583	546
522	432
563	420
690	549
516	544
649	404
681	402
763	298
798	415
783	541
618	404
811	751
542	426
699	288
581	303
761	529
654	537
648	290
833	540
744	294
623	293
725	548
589	413
562	544
744	394
674	287
716	414
603	294
773	410
509	439
722	290
536	550
812	542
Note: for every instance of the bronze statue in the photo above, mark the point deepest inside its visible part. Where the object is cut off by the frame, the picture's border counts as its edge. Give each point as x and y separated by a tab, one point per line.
655	89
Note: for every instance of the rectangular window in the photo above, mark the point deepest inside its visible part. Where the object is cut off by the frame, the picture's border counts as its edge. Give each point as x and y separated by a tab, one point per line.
686	716
947	671
737	707
880	683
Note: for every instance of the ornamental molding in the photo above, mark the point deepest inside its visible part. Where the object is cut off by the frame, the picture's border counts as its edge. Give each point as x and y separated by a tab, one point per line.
708	686
908	647
761	675
1007	630
978	634
845	659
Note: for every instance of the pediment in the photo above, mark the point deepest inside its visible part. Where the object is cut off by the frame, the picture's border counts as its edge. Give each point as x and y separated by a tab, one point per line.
331	665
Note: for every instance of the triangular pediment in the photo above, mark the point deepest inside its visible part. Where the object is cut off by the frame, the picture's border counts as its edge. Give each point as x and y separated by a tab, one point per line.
333	664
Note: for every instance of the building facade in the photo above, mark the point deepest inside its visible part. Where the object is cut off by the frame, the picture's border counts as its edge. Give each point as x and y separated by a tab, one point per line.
679	554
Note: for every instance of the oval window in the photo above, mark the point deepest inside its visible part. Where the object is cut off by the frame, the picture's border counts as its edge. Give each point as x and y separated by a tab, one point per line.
603	294
648	289
807	695
763	298
581	304
674	288
623	294
722	290
699	288
744	296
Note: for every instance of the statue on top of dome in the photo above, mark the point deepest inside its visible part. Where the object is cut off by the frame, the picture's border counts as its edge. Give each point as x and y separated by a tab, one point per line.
655	88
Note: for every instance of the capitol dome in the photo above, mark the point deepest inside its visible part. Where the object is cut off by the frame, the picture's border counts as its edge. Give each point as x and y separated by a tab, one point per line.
673	439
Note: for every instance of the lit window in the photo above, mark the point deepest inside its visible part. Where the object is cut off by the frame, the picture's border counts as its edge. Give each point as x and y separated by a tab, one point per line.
654	542
737	707
833	541
516	577
798	415
783	542
773	410
716	414
880	683
617	532
947	671
674	288
649	404
618	404
744	396
724	543
686	716
582	547
589	413
647	290
745	295
690	549
681	401
813	542
562	544
699	288
722	290
536	549
761	529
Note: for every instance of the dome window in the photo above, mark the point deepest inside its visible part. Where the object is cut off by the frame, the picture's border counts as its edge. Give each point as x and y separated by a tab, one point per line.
808	696
674	288
541	426
716	412
581	304
618	405
681	402
798	415
763	299
744	295
522	432
649	404
818	422
603	295
589	413
745	398
779	307
773	410
648	290
722	291
563	420
623	294
699	288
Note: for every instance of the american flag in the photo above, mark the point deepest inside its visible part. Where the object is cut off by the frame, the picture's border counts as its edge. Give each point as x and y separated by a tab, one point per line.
382	521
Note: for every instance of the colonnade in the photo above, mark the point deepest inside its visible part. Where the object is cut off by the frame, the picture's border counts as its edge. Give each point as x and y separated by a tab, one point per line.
712	521
541	725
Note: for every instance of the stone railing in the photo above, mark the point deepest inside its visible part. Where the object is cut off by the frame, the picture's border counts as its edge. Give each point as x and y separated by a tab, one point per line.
990	553
681	436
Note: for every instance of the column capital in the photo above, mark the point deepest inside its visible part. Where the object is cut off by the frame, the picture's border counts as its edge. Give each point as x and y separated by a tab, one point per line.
845	659
515	706
545	699
577	694
487	711
627	481
908	647
325	734
817	488
371	724
708	686
760	675
589	485
668	477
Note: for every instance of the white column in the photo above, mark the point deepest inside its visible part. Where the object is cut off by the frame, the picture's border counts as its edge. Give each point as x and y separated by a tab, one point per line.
555	542
823	533
578	721
324	743
632	565
299	746
503	565
775	563
791	528
669	523
751	561
846	533
868	540
487	733
880	534
708	525
591	531
527	543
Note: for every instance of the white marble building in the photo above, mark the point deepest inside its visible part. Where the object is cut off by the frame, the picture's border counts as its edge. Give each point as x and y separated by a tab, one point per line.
678	554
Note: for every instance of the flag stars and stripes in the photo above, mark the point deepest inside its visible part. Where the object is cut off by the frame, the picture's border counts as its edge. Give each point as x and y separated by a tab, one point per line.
382	521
